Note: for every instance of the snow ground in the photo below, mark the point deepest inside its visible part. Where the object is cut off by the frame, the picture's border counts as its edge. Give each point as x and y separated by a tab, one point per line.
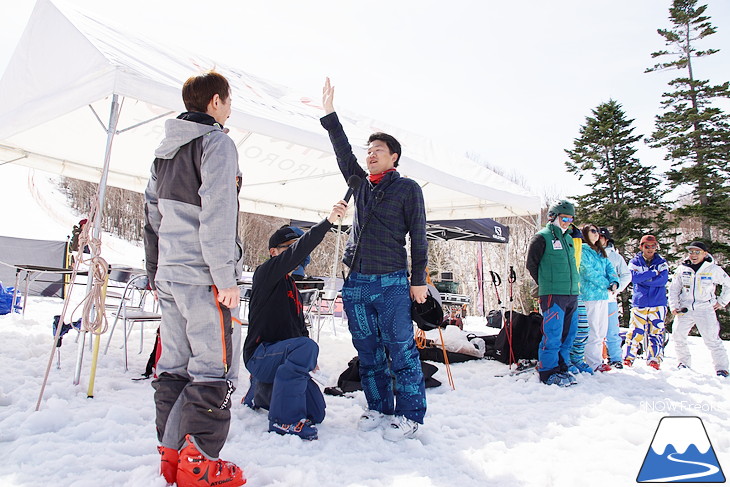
489	431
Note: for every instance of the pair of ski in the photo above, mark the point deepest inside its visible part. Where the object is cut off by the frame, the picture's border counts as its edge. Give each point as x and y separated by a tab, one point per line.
524	367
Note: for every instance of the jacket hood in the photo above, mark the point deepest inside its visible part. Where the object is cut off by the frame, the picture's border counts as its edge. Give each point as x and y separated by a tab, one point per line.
178	133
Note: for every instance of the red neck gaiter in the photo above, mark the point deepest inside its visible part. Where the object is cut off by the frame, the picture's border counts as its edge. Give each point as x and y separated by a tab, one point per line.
376	178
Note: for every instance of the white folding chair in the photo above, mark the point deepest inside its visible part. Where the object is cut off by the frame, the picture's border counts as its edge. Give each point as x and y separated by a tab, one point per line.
133	308
322	308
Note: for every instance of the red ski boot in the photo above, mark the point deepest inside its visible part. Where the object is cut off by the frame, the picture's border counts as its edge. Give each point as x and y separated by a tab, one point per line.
195	470
168	464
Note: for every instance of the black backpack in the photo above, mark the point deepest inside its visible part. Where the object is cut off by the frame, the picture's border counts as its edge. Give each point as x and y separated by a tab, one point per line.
526	335
494	318
349	380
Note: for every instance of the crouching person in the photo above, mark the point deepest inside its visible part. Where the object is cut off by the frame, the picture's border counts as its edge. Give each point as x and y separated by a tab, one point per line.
278	351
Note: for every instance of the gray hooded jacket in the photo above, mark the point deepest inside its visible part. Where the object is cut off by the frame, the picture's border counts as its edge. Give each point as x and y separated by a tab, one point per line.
191	207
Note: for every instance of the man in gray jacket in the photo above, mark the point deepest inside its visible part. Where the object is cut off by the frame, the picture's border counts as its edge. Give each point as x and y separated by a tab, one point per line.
193	261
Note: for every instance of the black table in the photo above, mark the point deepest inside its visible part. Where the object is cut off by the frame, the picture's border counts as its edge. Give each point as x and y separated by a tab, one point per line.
32	272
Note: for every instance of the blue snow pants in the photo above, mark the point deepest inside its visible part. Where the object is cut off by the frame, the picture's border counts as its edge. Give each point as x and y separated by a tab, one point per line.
286	365
613	340
559	327
378	308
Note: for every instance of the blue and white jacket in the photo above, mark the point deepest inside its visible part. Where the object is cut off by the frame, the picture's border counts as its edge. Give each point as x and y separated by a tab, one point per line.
696	290
597	273
649	281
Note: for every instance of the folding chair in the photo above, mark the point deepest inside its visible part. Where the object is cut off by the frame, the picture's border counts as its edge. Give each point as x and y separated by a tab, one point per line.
132	308
245	301
322	308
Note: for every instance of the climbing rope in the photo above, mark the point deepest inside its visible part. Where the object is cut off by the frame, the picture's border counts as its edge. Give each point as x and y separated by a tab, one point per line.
93	315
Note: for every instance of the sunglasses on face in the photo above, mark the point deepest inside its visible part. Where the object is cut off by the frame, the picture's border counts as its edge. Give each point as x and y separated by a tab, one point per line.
694	252
649	246
566	219
593	230
284	246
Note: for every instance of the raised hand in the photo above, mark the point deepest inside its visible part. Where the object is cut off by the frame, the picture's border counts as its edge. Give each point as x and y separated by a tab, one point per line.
328	97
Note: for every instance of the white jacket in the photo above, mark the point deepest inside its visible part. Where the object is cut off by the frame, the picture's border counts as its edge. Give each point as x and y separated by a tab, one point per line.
697	290
622	269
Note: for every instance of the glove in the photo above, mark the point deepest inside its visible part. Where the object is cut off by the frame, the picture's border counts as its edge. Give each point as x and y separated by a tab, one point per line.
613	287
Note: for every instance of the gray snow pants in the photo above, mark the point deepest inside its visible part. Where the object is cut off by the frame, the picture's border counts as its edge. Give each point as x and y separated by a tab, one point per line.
198	369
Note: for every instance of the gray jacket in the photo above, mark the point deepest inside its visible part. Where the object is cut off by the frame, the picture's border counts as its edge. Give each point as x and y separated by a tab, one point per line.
191	206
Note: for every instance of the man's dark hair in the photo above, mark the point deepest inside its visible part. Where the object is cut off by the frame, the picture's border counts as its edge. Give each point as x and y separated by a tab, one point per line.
393	145
198	90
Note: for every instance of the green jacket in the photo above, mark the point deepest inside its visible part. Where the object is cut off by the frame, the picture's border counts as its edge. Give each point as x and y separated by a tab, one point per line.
551	259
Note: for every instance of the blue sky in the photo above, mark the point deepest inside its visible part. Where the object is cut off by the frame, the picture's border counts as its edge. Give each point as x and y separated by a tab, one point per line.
511	81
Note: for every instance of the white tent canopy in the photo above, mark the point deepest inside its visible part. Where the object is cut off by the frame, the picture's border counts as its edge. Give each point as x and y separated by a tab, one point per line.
55	99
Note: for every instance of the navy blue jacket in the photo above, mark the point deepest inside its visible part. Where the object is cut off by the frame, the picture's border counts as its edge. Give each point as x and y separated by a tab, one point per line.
393	208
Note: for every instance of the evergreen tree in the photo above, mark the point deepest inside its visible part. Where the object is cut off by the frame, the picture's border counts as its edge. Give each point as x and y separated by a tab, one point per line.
695	133
624	195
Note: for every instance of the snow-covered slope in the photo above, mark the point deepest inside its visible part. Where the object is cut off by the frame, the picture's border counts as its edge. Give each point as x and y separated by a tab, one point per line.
35	208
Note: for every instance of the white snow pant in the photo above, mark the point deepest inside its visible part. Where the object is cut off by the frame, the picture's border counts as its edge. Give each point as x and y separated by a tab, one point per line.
709	328
597	312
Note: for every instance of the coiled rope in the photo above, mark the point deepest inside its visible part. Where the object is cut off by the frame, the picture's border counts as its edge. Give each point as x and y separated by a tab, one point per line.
93	314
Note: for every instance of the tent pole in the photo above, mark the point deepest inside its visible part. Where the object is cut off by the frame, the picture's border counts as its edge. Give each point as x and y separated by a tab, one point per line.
505	272
96	231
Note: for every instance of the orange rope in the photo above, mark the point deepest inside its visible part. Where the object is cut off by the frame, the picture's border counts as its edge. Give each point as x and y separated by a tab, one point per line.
420	338
446	361
422	342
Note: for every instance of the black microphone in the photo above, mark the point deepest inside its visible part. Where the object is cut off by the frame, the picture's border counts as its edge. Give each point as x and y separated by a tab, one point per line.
353	182
683	310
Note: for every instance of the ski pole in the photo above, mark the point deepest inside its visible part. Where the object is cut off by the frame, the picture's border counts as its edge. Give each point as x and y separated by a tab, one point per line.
512	278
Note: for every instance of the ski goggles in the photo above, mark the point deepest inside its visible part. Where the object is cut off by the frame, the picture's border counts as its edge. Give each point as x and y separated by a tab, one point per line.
566	219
